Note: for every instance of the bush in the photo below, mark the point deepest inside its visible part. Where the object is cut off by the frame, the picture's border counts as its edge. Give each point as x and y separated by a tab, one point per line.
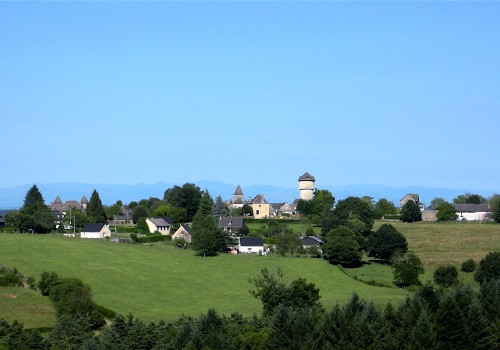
489	268
468	266
446	276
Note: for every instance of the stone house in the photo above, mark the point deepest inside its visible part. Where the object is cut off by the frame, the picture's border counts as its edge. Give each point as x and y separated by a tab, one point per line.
260	207
183	232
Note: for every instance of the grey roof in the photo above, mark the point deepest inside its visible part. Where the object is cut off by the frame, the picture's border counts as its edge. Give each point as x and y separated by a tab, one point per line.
413	196
277	206
58	200
238	191
161	222
472	208
238	200
251	241
231	221
2	219
259	199
307	177
187	228
84	200
92	227
312	240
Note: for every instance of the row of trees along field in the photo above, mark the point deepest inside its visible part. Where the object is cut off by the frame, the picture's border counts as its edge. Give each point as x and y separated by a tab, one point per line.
456	317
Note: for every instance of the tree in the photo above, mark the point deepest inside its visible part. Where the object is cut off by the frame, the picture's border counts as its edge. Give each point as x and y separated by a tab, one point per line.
342	250
345	210
406	268
139	212
32	197
287	241
48	281
272	289
469	198
95	210
322	201
468	266
219	208
383	207
489	268
495	208
114	210
446	212
206	203
436	202
450	325
207	239
410	212
446	276
178	215
188	197
385	242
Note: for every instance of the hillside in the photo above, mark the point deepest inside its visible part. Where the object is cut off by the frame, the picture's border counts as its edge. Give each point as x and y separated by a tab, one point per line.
161	282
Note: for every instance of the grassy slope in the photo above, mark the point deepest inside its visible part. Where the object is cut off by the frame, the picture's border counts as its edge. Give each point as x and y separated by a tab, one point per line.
449	243
161	282
28	307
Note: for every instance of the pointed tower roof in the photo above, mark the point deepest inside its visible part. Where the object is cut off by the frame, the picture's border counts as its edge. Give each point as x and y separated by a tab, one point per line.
58	200
238	191
84	200
307	177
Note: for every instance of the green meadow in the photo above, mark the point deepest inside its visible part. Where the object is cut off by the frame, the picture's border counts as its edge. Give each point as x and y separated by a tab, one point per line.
161	282
26	306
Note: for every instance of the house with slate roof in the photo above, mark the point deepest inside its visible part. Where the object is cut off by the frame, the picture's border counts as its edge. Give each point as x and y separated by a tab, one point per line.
251	245
411	197
231	224
162	225
473	212
99	230
260	207
183	232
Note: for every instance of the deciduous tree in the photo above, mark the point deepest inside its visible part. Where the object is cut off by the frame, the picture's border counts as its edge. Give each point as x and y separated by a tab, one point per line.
385	242
446	212
446	276
406	268
410	212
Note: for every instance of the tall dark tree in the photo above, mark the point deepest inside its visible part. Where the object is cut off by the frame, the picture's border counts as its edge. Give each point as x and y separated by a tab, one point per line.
32	197
207	238
446	276
385	242
345	210
95	209
489	268
450	325
188	197
219	208
139	212
410	212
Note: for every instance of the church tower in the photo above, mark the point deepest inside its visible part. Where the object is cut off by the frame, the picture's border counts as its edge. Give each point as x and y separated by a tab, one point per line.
306	186
238	198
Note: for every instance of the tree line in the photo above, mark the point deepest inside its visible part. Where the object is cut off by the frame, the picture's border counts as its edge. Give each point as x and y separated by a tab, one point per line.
457	317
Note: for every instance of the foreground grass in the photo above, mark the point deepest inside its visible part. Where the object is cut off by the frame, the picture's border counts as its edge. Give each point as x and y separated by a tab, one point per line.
27	306
161	282
449	243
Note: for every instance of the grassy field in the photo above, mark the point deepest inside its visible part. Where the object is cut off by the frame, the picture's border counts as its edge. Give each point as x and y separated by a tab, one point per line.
161	282
27	306
449	243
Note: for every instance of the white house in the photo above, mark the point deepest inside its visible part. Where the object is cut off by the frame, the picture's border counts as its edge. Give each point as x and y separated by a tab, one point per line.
472	212
249	245
161	225
95	231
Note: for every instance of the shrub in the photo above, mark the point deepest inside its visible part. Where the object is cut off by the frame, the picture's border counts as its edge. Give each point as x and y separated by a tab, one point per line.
489	268
468	266
446	276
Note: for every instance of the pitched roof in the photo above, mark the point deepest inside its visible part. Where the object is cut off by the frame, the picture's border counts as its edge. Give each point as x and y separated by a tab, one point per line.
472	208
92	227
238	200
307	177
312	240
187	228
251	241
164	221
413	196
231	221
84	200
259	199
238	191
58	200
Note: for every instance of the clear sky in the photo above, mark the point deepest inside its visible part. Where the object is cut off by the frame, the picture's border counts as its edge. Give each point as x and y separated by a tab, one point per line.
391	93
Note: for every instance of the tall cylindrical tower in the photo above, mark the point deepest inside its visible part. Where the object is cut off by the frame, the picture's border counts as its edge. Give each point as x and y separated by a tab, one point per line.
306	186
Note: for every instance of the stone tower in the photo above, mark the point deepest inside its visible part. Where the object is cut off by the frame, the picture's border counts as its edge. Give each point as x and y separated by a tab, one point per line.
238	198
306	186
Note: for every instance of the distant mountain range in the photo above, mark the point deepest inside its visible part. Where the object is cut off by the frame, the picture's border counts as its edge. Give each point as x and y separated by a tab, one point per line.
13	197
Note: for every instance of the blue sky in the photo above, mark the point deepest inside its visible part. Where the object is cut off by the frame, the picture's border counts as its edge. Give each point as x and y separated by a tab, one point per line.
385	93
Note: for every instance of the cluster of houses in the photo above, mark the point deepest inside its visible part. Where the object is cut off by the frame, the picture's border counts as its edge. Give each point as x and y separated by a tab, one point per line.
261	209
467	212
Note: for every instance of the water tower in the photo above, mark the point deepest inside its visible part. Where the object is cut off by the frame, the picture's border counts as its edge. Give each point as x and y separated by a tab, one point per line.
306	186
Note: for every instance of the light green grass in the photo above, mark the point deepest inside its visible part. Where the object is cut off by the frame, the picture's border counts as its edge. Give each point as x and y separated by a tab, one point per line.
297	227
26	306
449	243
161	282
